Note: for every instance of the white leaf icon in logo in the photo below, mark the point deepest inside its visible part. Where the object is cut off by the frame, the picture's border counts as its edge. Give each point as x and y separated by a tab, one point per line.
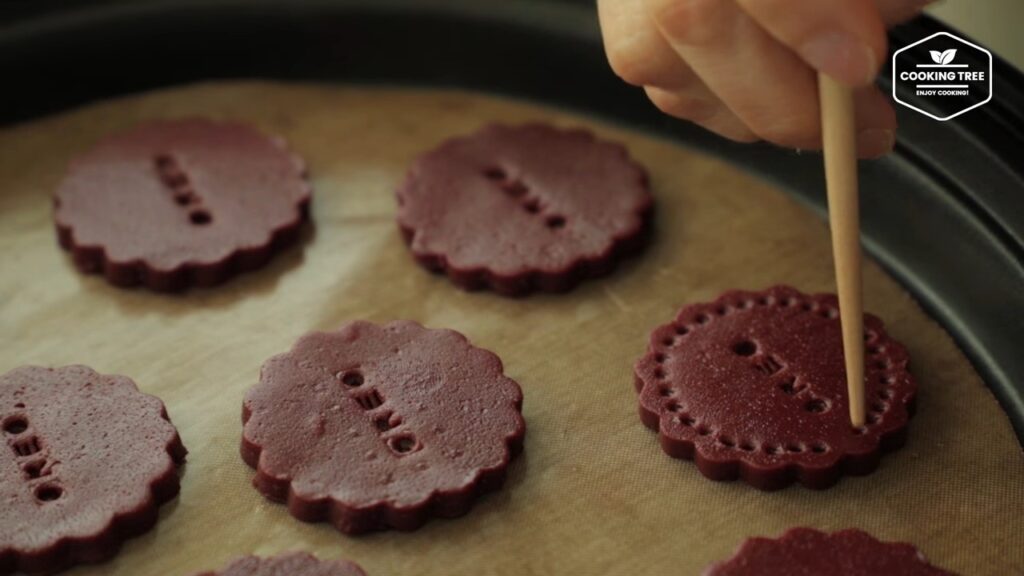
936	56
948	55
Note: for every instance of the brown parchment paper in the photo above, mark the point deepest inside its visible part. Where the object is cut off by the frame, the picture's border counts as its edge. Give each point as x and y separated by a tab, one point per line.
593	493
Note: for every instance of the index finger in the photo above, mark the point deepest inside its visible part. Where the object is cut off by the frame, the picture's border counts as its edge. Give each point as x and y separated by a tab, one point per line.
844	39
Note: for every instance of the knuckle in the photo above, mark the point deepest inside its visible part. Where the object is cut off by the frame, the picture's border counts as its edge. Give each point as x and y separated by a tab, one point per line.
690	22
662	101
681	105
628	64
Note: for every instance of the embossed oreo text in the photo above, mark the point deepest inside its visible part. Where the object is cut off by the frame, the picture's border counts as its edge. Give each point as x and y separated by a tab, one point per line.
31	455
518	190
174	177
383	418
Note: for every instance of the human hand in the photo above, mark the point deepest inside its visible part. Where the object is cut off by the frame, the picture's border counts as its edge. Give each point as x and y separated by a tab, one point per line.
746	69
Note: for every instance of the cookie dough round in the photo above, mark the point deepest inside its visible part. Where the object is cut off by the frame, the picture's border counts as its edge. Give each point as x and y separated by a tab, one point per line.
86	461
808	552
177	203
523	208
753	385
373	427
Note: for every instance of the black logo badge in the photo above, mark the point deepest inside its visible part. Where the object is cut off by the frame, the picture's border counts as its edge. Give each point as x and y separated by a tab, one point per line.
942	76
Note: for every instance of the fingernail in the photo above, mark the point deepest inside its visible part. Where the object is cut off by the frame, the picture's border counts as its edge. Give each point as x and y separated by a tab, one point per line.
842	56
875	142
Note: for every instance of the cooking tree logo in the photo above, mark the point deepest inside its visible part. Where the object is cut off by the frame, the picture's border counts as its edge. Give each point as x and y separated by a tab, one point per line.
942	76
942	60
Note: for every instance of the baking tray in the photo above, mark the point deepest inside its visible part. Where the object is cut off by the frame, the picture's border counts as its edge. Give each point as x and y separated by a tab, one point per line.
944	213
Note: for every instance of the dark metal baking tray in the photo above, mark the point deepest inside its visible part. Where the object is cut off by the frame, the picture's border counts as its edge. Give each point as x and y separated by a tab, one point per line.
944	213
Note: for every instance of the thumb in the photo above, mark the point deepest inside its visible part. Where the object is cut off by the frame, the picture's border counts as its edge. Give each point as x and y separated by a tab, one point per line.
844	39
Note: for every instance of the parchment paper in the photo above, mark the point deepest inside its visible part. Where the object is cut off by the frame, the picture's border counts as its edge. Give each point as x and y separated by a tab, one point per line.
593	493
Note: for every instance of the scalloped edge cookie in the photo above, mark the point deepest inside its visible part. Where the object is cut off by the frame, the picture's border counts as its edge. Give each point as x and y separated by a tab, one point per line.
719	455
353	516
849	552
535	277
124	524
94	259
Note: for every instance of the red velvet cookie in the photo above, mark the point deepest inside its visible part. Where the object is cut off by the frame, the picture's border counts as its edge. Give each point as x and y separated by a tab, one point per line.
373	427
753	385
178	203
807	552
525	208
86	461
291	564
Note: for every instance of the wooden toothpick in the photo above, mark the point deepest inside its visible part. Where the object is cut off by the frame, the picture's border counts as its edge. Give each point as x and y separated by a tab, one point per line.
840	147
